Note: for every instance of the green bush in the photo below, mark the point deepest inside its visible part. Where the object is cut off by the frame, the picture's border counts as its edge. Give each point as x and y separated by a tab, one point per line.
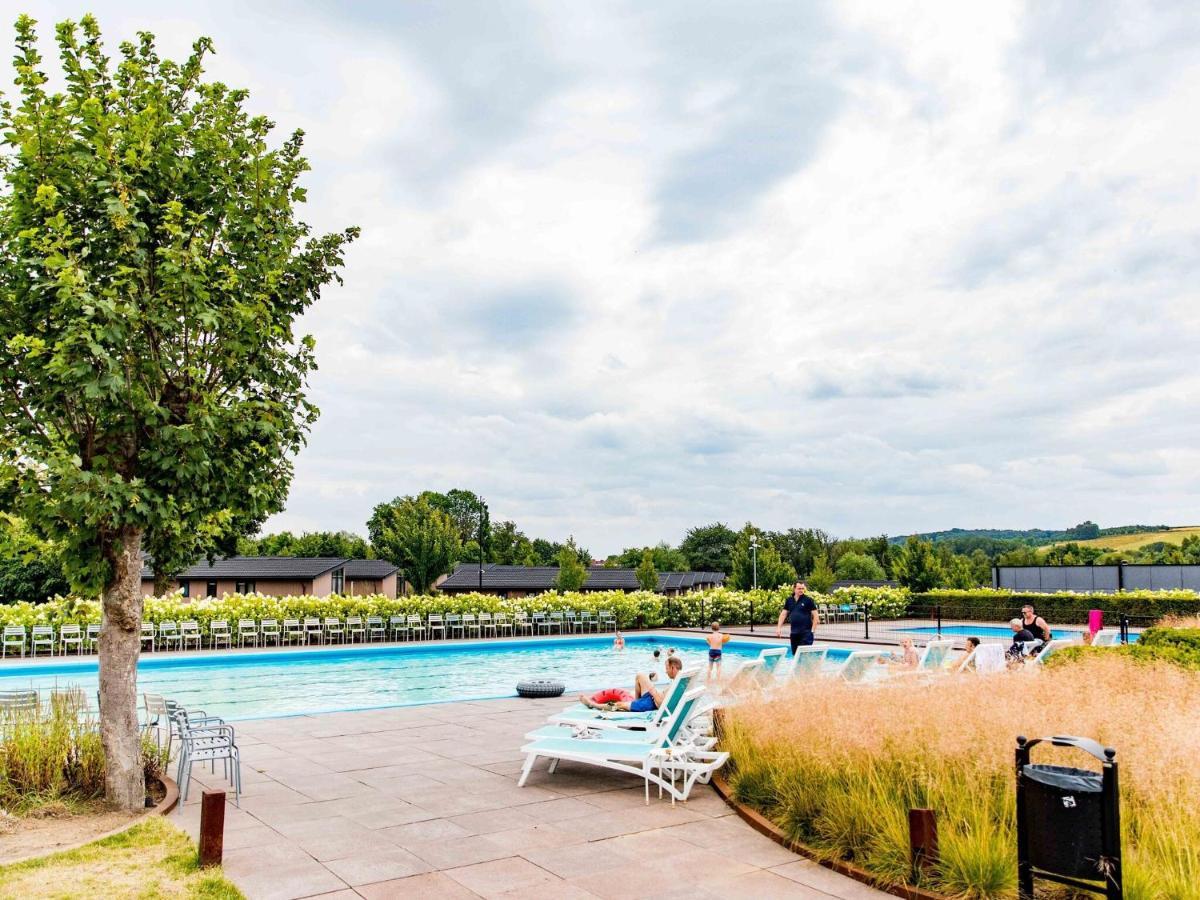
1065	607
651	610
1180	646
884	603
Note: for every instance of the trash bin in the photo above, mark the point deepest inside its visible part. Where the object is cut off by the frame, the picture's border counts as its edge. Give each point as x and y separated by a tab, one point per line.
1068	820
1063	812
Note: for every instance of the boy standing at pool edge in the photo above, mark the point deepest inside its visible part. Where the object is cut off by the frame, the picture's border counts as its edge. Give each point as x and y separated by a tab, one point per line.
716	641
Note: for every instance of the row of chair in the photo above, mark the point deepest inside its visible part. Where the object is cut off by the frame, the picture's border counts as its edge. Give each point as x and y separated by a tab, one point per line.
188	634
202	738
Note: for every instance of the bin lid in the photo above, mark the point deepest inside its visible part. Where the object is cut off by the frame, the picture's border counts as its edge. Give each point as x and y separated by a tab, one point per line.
1066	778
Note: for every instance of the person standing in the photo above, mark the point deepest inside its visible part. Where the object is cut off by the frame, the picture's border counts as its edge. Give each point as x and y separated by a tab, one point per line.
801	612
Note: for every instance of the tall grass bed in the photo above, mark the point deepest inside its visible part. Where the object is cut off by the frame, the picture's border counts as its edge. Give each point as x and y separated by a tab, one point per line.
838	766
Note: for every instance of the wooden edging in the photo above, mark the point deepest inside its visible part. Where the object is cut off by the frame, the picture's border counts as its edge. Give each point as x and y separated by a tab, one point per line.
169	801
765	826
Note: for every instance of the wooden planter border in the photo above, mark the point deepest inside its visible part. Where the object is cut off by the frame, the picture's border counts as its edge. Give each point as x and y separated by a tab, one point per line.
168	803
765	826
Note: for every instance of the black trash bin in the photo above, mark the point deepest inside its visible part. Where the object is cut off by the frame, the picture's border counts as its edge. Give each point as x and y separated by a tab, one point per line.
1068	820
1063	812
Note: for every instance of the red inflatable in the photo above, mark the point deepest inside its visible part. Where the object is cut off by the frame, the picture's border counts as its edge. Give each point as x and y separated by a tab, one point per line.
612	695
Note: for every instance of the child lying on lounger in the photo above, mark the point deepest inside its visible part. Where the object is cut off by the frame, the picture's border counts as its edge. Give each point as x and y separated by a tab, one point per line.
644	698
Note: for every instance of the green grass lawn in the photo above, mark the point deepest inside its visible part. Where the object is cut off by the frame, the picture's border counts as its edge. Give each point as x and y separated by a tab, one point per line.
151	860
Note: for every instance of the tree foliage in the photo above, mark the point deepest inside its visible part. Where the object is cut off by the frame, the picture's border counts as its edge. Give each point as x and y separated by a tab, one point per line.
467	511
859	567
664	557
709	548
647	575
151	271
772	571
822	577
572	574
916	567
339	544
421	539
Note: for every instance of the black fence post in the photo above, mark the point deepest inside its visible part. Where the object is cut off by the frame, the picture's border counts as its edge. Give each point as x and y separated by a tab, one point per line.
866	623
703	618
1124	628
939	618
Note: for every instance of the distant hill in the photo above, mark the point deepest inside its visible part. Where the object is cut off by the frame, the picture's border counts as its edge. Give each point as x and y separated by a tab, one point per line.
1139	539
1087	532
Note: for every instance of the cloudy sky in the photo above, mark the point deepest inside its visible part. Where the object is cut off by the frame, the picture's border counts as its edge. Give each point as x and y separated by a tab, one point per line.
628	268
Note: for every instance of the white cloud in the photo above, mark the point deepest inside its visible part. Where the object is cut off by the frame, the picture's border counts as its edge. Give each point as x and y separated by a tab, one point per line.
627	269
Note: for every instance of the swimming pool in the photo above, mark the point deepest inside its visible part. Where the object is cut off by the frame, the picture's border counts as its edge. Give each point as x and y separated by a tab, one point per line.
291	682
983	631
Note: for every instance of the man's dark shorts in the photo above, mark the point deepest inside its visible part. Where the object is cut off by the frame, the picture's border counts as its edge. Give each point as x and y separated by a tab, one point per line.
801	639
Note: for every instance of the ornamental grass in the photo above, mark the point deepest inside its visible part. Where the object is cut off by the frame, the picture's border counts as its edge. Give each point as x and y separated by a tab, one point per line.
838	766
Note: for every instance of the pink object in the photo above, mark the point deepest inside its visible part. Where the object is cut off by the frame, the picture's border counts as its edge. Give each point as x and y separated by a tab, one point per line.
1095	620
612	695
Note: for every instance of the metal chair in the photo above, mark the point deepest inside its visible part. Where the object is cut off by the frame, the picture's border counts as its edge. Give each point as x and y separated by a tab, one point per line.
15	701
189	632
470	623
14	636
416	626
312	629
206	739
354	628
269	629
521	623
219	633
334	630
607	621
486	625
67	635
42	636
556	621
247	631
587	622
570	621
376	628
501	624
168	634
148	632
434	622
93	637
398	627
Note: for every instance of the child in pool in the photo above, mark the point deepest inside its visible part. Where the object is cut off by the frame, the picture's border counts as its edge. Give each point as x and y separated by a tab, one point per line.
619	641
716	641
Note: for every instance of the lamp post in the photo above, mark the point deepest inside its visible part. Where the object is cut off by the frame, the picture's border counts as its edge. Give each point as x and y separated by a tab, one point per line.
754	565
483	522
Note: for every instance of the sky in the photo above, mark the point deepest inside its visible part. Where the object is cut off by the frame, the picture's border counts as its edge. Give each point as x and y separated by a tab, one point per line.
630	268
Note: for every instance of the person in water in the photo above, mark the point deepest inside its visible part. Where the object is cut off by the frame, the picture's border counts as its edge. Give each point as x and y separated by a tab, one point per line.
645	696
716	644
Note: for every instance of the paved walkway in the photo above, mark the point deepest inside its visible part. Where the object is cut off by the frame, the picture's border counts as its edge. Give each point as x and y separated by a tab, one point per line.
423	802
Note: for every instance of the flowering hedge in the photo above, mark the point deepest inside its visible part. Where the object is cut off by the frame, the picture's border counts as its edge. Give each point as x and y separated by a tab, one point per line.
884	603
646	608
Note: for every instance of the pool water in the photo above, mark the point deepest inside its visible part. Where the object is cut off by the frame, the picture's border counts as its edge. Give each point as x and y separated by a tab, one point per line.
259	685
983	631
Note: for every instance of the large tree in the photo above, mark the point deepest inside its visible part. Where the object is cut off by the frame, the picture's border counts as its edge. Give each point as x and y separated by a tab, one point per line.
709	548
418	537
341	544
467	511
572	573
663	557
151	271
765	566
916	565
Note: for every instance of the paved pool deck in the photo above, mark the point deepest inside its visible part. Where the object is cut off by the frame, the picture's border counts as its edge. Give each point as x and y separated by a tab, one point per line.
423	802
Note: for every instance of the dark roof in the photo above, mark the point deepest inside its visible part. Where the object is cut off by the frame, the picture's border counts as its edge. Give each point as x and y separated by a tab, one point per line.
279	568
543	578
369	568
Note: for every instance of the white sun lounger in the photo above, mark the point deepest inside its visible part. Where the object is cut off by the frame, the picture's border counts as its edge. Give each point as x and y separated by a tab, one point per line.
651	759
1055	645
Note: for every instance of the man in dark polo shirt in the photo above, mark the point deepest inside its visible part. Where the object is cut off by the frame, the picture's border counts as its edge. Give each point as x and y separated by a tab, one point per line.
801	612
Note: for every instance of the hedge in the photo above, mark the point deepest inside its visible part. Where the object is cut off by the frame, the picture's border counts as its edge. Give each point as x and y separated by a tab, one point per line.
991	604
651	610
1180	646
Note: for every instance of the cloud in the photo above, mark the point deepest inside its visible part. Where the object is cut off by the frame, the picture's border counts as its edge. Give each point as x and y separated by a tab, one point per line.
628	268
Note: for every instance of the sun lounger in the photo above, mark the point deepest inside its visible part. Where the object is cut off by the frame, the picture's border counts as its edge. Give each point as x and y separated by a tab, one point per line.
809	663
1107	637
659	759
858	665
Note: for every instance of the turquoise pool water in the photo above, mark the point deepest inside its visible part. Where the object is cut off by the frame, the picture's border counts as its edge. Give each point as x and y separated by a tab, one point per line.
982	631
277	683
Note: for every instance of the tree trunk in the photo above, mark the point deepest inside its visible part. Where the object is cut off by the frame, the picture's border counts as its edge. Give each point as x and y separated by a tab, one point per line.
162	583
120	644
